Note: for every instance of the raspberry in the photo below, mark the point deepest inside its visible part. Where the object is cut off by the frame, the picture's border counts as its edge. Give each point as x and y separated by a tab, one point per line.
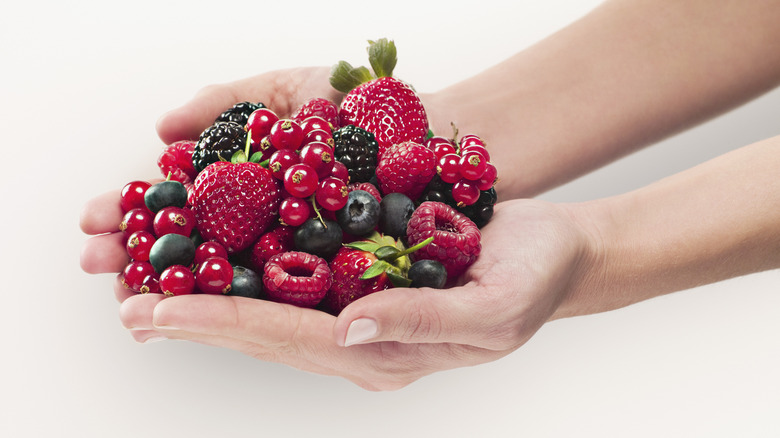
296	278
456	239
318	107
406	168
176	160
370	188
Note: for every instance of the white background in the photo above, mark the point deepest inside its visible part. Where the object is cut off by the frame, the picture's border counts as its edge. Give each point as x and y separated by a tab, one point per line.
82	86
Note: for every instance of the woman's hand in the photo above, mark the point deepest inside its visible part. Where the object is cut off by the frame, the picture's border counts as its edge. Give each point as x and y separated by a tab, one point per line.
532	252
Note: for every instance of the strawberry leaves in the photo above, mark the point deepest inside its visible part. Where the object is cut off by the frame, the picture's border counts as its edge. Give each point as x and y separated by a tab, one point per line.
392	257
382	55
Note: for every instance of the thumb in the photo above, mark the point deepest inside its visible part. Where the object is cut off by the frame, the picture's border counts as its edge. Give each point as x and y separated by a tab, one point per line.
458	315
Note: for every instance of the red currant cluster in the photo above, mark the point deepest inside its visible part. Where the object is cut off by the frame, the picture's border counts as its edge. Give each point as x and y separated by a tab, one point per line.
300	155
157	226
466	165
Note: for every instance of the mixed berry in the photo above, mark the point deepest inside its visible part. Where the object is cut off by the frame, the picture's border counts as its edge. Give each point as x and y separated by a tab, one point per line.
317	209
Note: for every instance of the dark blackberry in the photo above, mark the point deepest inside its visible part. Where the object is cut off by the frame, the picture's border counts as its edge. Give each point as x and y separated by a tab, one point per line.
239	113
479	212
356	148
218	142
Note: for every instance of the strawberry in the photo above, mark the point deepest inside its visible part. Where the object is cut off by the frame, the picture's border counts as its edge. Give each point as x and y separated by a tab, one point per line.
406	168
379	103
235	203
363	267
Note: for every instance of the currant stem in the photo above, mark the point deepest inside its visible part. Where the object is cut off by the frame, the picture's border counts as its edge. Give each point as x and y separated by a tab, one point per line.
317	211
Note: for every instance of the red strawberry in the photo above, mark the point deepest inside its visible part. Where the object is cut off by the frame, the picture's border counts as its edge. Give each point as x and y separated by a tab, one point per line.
364	267
406	168
235	203
381	104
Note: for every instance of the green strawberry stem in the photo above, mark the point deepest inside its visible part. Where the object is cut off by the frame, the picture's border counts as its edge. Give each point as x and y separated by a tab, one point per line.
382	55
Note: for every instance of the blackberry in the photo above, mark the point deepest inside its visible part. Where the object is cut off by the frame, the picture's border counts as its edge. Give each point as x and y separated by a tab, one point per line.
357	149
239	113
479	212
218	142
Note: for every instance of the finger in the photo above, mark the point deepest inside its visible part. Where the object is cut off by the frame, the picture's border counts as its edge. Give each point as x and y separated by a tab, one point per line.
465	315
101	214
136	311
121	292
104	253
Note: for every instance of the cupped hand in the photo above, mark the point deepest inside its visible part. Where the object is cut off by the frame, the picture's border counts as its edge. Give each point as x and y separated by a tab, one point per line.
532	252
283	91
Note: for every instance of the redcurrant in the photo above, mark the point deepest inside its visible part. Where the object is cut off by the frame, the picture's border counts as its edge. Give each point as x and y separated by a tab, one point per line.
448	168
332	194
281	160
472	165
286	134
174	220
132	195
139	244
294	211
300	180
214	276
465	192
177	280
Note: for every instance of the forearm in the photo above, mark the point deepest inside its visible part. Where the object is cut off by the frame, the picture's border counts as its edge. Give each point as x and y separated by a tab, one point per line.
713	222
626	75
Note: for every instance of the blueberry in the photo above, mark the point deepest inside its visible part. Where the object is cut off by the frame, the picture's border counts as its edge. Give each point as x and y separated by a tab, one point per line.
394	213
428	273
246	283
321	238
360	215
165	194
171	249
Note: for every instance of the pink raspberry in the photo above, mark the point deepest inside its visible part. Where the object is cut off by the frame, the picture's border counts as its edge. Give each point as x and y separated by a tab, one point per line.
176	160
318	107
296	278
456	239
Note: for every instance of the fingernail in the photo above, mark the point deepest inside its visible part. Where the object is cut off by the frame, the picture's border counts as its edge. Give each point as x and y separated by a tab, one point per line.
154	339
360	330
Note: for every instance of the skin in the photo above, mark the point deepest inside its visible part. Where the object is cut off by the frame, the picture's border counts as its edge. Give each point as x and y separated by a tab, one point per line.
625	76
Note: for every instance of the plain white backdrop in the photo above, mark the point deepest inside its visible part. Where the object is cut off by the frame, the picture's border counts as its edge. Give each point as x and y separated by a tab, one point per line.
83	84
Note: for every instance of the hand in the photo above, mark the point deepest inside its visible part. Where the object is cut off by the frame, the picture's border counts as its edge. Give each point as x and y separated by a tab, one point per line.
282	90
532	251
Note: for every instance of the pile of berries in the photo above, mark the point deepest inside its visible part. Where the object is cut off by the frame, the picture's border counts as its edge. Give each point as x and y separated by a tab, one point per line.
317	209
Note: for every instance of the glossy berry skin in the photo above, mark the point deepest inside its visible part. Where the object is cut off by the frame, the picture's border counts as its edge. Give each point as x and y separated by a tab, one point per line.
171	249
286	134
175	220
214	276
472	165
300	180
488	178
321	238
395	210
260	122
177	280
135	274
319	156
297	278
175	161
234	204
315	123
239	113
294	211
207	250
246	283
281	160
137	219
428	273
132	195
440	146
165	194
387	107
347	266
340	171
406	168
448	168
360	214
456	239
465	192
331	194
139	244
